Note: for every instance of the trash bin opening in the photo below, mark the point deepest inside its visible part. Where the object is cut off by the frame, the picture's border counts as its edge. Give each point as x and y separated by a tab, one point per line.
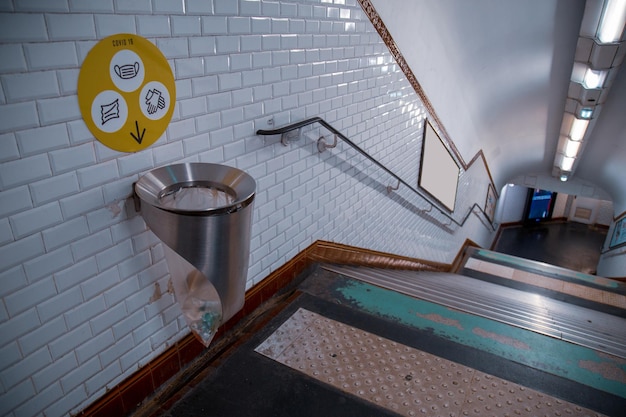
197	196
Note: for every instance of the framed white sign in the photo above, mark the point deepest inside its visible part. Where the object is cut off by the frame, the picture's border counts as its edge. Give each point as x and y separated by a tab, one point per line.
439	172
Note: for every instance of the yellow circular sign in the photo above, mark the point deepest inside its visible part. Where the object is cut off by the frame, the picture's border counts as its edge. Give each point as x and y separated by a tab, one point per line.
126	92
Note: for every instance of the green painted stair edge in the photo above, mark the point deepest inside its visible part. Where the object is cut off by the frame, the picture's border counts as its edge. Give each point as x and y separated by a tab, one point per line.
583	365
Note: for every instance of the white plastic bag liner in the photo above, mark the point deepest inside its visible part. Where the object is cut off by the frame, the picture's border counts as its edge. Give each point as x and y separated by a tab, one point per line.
197	198
197	297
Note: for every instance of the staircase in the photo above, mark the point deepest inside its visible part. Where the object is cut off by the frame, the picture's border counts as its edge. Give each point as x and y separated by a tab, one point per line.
566	305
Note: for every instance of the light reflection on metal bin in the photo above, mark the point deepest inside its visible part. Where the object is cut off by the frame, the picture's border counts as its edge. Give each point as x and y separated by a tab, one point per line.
203	214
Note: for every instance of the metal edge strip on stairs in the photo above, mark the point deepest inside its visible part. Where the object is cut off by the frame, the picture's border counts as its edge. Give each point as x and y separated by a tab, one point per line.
505	305
545	269
577	290
532	317
500	306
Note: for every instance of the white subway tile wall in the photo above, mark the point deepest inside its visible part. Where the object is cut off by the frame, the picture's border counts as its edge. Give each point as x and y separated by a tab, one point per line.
78	266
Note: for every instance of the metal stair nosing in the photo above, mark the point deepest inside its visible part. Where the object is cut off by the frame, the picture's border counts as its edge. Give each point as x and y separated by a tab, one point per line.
507	308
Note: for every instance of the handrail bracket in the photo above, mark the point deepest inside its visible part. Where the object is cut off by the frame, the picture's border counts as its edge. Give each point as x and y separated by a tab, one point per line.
322	145
291	136
391	188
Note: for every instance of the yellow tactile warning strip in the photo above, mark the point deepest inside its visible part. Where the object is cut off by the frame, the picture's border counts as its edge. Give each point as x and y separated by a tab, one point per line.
576	290
399	378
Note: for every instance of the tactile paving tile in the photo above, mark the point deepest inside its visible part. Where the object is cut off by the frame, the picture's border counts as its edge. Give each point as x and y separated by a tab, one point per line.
402	379
286	334
493	396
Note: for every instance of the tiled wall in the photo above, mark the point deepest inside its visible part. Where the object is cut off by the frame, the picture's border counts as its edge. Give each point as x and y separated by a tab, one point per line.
612	261
78	266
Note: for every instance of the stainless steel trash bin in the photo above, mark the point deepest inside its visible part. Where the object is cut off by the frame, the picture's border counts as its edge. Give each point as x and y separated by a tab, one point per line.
203	214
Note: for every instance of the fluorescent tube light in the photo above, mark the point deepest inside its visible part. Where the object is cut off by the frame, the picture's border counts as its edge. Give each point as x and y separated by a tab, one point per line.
567	163
579	127
571	148
612	22
593	79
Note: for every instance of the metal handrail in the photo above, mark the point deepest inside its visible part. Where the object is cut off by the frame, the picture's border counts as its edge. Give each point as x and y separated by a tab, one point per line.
313	120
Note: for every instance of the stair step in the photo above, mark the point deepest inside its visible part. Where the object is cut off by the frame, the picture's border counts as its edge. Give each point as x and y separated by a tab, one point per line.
546	270
590	328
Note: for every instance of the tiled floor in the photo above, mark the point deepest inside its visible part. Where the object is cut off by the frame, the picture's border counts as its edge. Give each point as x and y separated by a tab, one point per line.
570	245
240	381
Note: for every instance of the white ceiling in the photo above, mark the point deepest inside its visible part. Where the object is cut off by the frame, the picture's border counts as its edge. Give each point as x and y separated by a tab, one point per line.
497	73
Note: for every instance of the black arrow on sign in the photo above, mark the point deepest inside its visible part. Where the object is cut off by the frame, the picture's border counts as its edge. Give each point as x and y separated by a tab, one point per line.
139	136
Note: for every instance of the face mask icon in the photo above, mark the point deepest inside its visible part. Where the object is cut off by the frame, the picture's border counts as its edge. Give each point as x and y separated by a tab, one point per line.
127	71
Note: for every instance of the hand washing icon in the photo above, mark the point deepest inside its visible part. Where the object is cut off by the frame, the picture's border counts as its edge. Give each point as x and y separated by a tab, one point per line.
128	71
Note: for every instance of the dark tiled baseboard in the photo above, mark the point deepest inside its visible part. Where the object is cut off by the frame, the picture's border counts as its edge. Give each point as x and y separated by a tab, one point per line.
329	252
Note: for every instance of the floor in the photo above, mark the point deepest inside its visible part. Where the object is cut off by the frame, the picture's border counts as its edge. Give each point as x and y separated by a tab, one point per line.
570	245
333	345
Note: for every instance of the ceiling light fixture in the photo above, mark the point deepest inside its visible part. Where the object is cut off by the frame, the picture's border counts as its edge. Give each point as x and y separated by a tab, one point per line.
597	59
593	79
571	148
567	163
579	127
612	22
